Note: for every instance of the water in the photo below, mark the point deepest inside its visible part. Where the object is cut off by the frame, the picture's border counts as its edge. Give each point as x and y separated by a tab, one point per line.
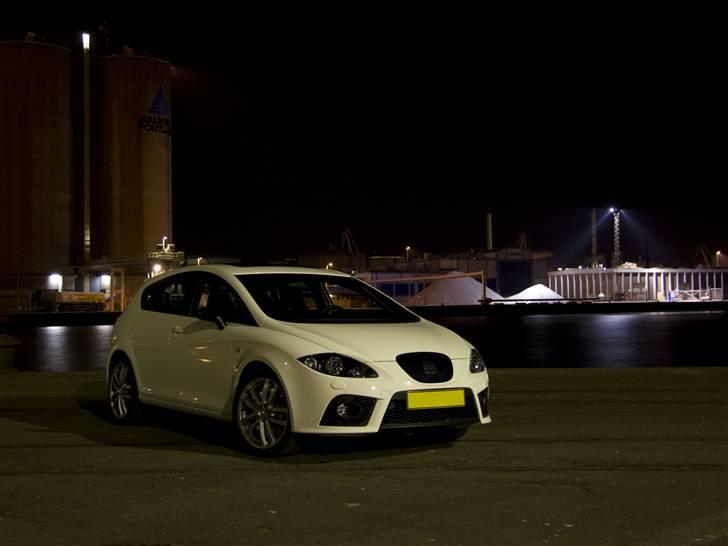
63	348
598	341
565	341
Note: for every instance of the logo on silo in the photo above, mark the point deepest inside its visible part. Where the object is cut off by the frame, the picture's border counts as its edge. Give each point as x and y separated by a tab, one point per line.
157	119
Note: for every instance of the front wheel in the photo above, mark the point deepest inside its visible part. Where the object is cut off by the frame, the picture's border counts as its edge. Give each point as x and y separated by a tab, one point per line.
262	416
122	393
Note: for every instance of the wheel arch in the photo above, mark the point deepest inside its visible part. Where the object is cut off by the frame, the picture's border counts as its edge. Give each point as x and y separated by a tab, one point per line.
118	355
251	369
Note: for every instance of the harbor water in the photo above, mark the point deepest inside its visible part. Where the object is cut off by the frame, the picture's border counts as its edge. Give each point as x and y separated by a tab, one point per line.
549	341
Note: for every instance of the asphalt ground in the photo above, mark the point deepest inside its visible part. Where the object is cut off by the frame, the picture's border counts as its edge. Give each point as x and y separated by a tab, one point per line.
577	456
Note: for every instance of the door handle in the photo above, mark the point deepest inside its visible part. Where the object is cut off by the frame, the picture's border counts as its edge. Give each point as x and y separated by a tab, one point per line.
177	330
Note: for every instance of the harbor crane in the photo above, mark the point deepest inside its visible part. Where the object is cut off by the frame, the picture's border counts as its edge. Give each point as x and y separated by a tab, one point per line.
702	251
347	242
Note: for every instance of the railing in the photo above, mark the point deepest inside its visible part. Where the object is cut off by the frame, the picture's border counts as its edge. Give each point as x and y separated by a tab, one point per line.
162	255
708	294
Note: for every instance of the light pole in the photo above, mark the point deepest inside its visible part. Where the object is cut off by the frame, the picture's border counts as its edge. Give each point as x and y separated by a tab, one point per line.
86	151
329	265
617	255
406	253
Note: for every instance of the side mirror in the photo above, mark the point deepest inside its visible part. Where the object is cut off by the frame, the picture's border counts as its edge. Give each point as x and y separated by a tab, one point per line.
220	322
207	313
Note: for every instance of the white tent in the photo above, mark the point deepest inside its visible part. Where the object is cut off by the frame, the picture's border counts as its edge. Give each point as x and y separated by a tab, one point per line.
458	291
536	292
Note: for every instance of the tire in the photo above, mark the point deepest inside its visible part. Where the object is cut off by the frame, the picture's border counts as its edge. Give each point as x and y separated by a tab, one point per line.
122	393
261	415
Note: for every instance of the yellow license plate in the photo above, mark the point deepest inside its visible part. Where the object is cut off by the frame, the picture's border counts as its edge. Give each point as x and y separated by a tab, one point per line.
435	399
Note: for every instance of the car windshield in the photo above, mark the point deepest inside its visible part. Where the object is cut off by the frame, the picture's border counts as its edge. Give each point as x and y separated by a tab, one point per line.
322	298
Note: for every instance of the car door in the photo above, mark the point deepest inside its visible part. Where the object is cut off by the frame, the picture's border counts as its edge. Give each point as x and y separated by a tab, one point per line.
162	303
205	353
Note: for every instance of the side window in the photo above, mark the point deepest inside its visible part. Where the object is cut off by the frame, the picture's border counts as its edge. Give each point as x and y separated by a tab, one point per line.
149	300
174	294
216	294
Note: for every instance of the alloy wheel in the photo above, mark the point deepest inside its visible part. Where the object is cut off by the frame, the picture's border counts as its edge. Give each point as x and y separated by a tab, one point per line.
262	413
121	390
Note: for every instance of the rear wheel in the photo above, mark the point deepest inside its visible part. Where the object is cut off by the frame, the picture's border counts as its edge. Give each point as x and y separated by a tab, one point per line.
262	415
122	393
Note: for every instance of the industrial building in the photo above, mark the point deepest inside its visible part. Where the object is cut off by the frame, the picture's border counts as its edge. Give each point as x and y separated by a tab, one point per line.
86	171
639	284
626	281
507	271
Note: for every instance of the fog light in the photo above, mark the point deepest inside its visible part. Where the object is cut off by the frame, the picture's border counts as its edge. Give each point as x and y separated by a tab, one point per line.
347	410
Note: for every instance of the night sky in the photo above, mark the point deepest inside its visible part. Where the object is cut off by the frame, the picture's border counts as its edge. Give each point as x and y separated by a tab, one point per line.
406	128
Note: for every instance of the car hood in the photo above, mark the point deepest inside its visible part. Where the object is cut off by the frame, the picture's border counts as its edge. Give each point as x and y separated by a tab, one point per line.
379	342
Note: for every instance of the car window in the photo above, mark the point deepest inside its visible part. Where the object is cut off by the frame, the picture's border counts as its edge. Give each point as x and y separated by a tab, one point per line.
217	294
322	298
149	297
171	295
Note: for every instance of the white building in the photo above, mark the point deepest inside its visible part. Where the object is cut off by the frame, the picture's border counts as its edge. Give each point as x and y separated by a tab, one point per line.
640	284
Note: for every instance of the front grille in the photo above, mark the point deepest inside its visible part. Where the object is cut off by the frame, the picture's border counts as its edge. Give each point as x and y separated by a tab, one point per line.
398	416
426	367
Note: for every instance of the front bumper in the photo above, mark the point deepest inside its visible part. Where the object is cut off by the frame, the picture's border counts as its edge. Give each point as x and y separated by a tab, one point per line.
382	403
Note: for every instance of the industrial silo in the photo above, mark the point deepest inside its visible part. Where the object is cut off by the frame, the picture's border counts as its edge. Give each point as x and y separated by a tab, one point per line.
131	193
35	162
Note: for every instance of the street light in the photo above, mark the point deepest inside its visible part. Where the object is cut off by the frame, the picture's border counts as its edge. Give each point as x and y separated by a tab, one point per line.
406	253
329	265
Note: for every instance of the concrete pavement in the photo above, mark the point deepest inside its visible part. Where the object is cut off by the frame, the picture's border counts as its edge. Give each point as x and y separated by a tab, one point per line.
579	456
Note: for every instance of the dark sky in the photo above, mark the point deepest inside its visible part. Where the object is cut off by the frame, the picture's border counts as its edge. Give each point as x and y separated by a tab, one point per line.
289	128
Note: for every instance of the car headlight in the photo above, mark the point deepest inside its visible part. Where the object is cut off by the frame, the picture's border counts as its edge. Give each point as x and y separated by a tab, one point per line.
337	365
477	364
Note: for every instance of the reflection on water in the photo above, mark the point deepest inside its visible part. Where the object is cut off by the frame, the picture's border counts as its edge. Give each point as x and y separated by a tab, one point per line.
571	341
597	341
63	348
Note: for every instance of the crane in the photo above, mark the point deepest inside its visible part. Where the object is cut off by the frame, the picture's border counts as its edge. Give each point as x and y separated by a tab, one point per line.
703	251
347	242
522	242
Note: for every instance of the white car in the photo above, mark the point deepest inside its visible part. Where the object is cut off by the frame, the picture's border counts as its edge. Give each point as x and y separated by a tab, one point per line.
283	350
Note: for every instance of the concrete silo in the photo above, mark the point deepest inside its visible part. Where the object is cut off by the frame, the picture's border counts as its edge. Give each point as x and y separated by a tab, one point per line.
131	194
35	162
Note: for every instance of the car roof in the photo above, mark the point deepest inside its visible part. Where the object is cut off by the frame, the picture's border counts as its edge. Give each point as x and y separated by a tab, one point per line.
257	270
